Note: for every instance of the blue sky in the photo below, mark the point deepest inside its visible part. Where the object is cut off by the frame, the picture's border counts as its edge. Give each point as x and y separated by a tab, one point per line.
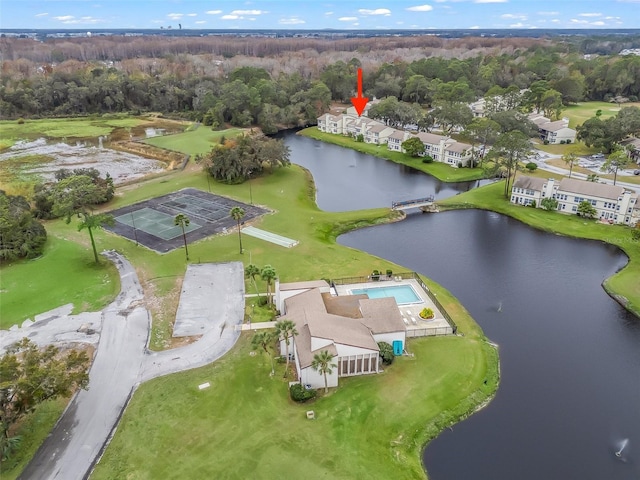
319	14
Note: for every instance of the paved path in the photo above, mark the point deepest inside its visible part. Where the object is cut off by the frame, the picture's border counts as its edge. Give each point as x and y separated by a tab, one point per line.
121	363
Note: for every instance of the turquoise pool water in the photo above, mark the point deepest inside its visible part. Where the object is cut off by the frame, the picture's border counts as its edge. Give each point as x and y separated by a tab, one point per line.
404	294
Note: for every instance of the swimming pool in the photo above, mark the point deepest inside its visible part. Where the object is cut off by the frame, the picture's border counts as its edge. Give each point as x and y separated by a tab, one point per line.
404	294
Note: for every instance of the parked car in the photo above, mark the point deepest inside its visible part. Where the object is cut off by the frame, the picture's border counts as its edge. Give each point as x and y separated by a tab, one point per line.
636	172
597	156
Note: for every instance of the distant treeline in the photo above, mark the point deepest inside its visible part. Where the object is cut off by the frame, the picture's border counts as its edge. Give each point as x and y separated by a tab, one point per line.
293	89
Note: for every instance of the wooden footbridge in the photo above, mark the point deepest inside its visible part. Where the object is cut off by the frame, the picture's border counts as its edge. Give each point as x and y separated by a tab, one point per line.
424	204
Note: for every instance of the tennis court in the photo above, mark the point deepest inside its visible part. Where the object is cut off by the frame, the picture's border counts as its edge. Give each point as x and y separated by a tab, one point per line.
152	222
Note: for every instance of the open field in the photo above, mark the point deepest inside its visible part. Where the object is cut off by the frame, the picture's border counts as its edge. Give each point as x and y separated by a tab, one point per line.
624	285
82	127
194	142
577	114
245	426
65	274
439	170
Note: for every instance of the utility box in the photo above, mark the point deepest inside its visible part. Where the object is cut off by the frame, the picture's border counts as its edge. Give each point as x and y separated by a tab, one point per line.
397	347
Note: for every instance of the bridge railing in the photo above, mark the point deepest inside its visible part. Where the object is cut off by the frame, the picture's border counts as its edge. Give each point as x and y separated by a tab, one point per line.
405	203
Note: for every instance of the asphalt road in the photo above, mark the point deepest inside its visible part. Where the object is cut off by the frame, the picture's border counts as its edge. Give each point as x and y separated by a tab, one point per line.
121	363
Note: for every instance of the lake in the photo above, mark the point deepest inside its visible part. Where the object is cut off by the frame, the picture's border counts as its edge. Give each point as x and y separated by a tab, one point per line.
570	355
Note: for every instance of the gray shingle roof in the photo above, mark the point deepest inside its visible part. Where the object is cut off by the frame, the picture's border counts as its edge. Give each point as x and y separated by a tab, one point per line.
529	183
591	188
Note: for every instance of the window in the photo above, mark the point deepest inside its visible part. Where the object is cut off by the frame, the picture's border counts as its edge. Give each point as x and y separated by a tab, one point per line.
574	208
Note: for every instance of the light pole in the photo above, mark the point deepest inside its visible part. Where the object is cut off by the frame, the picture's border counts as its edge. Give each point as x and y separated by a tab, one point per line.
135	232
250	193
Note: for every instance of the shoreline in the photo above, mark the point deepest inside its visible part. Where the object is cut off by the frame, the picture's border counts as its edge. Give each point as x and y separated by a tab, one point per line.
438	170
619	286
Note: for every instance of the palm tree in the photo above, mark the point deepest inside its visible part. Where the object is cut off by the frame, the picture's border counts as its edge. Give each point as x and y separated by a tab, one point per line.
237	213
322	363
183	221
268	274
284	330
251	271
593	177
569	158
91	221
264	339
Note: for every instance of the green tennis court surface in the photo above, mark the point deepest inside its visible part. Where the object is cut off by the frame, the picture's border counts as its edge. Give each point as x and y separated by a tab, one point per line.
155	223
152	222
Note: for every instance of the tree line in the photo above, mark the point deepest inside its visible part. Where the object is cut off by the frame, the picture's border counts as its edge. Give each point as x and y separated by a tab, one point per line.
198	88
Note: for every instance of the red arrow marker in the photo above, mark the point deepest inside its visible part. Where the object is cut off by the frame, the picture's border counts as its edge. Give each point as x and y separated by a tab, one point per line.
359	102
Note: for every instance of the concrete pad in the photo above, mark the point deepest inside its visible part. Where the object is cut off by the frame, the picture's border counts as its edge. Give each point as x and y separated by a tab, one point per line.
61	311
207	291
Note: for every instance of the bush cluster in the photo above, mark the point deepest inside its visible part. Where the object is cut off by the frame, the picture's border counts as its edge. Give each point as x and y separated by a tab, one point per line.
386	353
300	394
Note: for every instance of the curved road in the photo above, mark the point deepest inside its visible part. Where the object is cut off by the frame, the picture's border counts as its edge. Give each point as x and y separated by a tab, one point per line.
121	363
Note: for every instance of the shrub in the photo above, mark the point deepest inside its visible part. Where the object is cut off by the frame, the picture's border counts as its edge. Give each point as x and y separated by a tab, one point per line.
20	121
549	204
426	313
533	204
386	353
459	164
546	142
360	138
389	272
568	141
300	394
375	275
427	159
531	166
561	142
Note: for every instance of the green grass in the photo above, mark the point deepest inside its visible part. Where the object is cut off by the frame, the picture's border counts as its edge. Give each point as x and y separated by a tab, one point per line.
193	142
65	273
623	285
245	426
66	127
34	429
243	420
441	171
583	111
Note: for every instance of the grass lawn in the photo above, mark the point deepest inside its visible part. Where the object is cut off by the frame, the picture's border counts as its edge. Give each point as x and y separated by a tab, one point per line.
245	426
65	127
65	273
577	114
246	420
34	430
623	285
194	142
441	171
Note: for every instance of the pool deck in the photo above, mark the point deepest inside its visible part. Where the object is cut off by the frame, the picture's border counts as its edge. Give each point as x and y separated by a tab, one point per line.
416	326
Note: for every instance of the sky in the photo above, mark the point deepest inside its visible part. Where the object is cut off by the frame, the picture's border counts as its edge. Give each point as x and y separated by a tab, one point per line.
319	14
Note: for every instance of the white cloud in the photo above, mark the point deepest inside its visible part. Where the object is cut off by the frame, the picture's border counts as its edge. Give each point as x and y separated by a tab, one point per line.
291	21
517	25
41	14
192	14
377	11
347	19
612	18
599	23
213	12
328	13
513	16
355	24
64	18
475	27
175	16
581	22
230	17
200	22
248	12
489	1
551	14
555	20
589	14
420	8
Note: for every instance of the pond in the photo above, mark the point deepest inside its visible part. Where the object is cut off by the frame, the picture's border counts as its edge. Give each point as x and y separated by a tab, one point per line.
570	355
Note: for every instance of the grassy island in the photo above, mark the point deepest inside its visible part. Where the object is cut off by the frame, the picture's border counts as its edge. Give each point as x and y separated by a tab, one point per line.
441	171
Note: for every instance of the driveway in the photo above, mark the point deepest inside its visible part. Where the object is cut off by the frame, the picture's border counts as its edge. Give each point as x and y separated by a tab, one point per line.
121	363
